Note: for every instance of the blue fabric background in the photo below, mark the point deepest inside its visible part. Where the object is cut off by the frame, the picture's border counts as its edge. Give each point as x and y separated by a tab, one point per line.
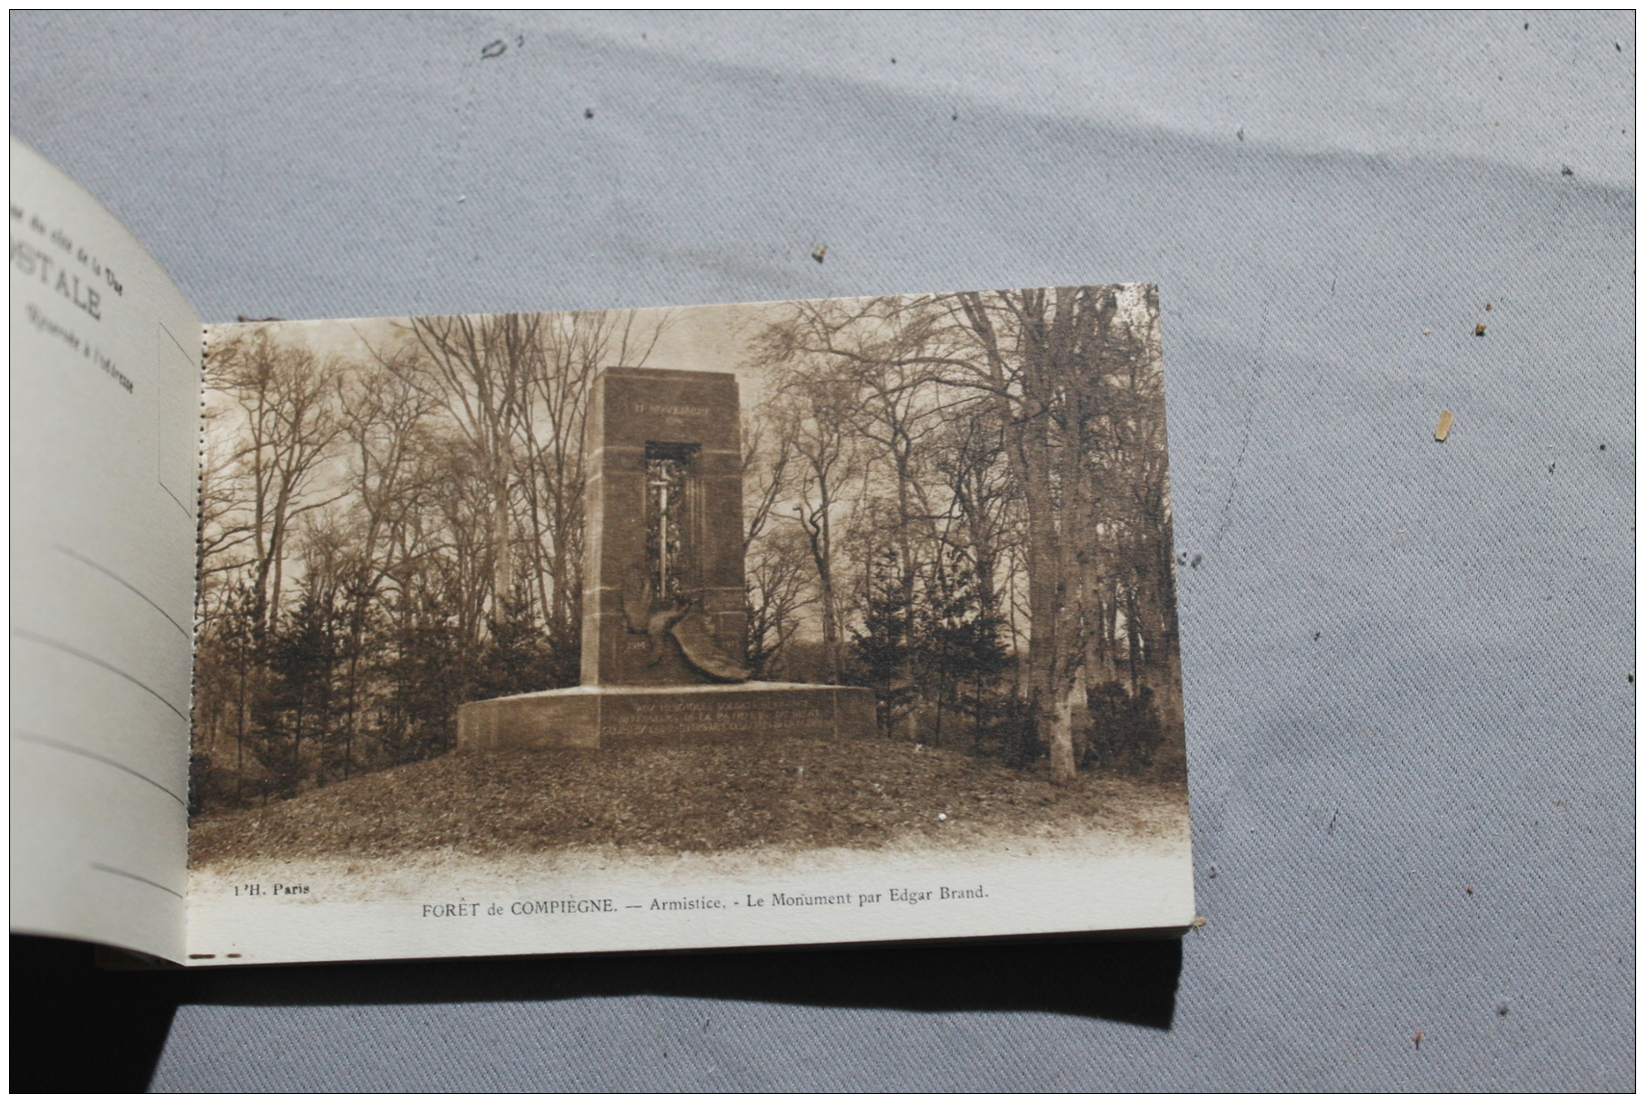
1408	665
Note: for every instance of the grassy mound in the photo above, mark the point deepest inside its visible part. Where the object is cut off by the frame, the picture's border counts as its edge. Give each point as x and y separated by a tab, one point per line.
799	794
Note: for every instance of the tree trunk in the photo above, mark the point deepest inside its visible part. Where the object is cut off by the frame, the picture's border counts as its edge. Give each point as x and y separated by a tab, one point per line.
1133	638
1062	738
502	560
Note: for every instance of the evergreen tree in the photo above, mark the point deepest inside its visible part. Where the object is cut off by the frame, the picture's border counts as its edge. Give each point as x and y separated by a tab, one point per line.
881	647
1125	729
295	715
959	652
518	657
430	673
229	677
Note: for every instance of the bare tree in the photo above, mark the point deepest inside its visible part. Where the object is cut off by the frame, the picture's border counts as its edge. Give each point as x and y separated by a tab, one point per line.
289	426
386	421
571	348
1040	364
780	590
779	552
482	366
813	413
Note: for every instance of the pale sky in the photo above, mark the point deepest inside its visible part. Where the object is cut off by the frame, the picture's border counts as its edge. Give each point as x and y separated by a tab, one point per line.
708	337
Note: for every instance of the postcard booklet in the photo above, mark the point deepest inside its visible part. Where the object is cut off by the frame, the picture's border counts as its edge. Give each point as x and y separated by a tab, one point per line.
754	625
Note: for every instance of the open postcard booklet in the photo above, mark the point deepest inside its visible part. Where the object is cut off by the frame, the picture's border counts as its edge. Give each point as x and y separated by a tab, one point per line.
757	625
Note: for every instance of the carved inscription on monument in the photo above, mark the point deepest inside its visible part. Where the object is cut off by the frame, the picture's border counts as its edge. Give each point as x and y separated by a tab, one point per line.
669	715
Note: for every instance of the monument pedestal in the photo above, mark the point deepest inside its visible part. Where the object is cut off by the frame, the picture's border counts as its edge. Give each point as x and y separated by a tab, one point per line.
661	717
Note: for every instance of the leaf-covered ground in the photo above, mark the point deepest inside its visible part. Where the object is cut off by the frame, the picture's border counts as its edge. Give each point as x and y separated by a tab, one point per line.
792	794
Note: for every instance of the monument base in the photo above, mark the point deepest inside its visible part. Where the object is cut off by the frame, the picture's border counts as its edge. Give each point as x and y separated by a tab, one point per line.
660	717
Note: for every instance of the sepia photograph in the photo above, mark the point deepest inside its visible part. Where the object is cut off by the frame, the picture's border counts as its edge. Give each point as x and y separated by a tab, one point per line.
798	586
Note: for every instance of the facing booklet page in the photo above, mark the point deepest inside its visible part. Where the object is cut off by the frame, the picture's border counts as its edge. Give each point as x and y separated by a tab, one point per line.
791	623
105	428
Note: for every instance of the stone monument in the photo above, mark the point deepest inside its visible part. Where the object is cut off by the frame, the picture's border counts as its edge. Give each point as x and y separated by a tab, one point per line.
664	619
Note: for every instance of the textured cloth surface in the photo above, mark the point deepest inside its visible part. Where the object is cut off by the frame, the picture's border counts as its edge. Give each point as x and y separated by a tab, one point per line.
1407	664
